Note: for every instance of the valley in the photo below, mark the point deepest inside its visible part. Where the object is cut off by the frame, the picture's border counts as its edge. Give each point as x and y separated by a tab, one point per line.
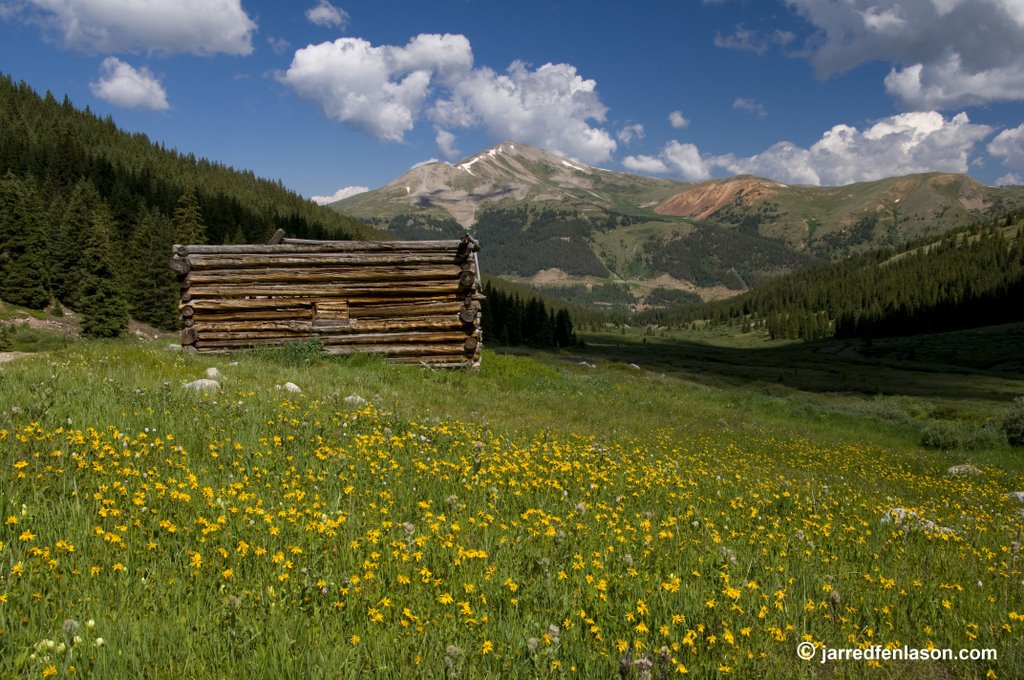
622	243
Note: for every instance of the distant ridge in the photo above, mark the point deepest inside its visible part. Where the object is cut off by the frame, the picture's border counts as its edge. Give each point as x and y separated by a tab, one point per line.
621	241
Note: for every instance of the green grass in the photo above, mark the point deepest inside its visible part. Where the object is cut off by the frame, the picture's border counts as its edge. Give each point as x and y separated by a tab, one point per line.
535	518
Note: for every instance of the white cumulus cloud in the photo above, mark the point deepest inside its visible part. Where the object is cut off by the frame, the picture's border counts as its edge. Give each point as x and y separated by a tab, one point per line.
686	161
550	107
384	90
631	132
446	144
676	158
648	165
946	53
1008	146
380	90
344	192
326	14
907	143
184	26
128	87
922	141
677	120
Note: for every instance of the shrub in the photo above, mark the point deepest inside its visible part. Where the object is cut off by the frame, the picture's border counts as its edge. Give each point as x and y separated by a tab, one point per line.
1013	423
949	435
5	337
293	354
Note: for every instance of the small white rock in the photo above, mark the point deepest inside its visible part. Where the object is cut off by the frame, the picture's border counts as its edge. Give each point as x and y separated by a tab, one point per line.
1016	495
291	387
965	469
212	373
203	385
173	347
355	400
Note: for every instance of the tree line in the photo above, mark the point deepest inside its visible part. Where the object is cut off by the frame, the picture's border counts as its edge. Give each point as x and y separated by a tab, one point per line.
967	278
88	213
511	320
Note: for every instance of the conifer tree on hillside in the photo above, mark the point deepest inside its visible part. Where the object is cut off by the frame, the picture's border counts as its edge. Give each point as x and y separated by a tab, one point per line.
23	253
152	289
188	219
66	245
565	335
103	309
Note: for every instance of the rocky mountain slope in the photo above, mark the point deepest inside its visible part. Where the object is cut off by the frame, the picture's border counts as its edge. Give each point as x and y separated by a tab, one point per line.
612	239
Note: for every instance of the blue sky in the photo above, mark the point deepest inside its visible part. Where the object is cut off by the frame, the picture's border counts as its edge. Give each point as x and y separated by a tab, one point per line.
333	96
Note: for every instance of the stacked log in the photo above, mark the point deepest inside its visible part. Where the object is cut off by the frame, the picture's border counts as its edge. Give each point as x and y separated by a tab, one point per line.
412	301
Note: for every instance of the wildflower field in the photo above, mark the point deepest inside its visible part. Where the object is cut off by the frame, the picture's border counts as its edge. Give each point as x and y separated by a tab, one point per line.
529	520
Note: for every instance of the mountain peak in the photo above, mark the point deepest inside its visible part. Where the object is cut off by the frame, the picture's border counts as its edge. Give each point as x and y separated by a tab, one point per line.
508	172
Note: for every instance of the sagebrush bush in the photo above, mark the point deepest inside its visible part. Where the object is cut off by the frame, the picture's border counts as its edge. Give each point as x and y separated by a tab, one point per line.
950	435
1013	423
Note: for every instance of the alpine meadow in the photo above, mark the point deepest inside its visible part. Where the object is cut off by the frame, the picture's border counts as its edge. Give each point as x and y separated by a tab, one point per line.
724	400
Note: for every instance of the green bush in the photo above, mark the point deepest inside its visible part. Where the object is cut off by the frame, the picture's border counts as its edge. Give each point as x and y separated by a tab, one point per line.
1013	423
24	338
950	435
5	337
293	354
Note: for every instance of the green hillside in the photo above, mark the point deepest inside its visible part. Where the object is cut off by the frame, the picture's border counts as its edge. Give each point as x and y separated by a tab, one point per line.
834	222
88	212
966	278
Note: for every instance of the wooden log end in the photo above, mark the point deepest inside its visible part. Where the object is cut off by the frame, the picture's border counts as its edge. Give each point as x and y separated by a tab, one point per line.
180	265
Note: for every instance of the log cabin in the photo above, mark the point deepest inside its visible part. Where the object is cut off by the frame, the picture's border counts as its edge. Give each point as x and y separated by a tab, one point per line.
412	301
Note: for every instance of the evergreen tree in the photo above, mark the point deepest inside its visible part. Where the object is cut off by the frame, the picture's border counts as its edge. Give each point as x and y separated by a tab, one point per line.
565	336
188	219
152	288
66	251
22	244
103	309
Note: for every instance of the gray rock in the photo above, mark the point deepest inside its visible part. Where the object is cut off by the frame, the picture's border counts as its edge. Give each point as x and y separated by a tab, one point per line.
291	387
1016	495
964	469
212	373
203	385
173	347
355	401
909	519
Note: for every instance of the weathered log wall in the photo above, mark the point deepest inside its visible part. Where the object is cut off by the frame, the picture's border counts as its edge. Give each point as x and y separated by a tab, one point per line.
413	301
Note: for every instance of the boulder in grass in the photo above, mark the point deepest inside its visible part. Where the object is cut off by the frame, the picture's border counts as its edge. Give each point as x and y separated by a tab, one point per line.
965	469
212	373
1016	495
174	347
203	385
291	387
909	519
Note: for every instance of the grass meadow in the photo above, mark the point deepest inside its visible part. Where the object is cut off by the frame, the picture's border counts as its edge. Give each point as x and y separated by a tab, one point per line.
538	518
